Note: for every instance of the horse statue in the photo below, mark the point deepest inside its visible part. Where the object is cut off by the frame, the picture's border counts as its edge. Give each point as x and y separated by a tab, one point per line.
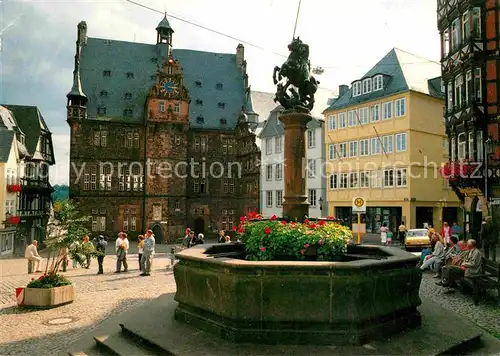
300	96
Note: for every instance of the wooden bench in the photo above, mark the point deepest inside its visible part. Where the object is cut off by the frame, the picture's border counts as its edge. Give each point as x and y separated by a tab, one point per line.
488	279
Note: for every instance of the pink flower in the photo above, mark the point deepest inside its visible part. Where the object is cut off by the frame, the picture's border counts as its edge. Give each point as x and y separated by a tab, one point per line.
321	242
274	217
267	230
306	221
306	245
234	228
241	230
243	219
302	251
262	249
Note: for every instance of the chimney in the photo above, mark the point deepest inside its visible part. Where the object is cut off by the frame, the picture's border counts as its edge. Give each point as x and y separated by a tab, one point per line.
240	56
82	33
343	89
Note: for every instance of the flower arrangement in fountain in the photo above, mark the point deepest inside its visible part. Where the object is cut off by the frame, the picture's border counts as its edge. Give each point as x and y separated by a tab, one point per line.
271	239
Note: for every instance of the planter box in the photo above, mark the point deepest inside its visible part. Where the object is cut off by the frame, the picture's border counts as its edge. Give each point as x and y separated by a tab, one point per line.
48	297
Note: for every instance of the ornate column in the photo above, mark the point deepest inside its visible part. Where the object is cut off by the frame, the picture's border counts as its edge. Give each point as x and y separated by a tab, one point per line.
295	205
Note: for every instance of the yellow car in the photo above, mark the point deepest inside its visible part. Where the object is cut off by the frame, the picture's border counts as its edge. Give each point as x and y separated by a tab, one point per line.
417	238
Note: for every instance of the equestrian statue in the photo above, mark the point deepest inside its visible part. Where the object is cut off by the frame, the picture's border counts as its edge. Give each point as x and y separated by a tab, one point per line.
297	92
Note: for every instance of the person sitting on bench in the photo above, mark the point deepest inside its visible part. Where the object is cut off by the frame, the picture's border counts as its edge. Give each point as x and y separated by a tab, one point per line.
466	265
31	254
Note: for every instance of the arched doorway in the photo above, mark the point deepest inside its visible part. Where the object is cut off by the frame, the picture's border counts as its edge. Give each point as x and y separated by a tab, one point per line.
158	232
199	226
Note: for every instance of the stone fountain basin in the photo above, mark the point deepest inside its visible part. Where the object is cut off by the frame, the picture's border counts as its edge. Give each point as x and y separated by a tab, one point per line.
373	293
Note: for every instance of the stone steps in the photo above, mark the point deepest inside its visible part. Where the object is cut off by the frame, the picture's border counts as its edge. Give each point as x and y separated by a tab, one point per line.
127	343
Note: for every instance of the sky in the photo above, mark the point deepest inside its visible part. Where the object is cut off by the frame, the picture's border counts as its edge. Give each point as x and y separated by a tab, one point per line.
346	38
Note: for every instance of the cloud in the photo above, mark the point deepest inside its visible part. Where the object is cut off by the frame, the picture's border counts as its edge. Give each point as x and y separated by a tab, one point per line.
59	172
346	38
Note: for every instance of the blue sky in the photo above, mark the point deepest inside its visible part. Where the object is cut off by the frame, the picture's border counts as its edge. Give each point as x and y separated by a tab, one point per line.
346	38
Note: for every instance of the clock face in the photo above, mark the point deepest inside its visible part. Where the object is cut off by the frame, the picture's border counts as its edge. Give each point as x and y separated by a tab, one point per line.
169	87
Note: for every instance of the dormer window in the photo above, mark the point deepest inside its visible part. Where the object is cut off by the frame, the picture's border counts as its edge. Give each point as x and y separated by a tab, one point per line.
128	95
127	112
154	60
223	121
106	73
356	89
378	82
219	86
104	93
221	105
367	86
130	75
198	84
101	110
200	119
199	102
152	77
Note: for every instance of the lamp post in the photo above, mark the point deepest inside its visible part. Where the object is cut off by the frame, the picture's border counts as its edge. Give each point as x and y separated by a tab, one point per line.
488	148
320	206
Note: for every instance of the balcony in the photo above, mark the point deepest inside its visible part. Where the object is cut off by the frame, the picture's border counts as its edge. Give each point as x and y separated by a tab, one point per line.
35	184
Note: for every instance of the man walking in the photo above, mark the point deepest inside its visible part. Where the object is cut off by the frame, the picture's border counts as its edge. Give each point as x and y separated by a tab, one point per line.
148	253
31	254
122	246
489	237
100	246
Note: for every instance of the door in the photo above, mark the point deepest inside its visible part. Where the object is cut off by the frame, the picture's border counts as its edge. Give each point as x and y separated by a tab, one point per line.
199	226
157	231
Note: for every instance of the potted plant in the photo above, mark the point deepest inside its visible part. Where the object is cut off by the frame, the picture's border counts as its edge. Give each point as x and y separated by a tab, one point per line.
277	239
52	289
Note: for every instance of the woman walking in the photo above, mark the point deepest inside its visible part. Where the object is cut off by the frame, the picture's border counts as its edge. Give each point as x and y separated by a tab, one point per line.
383	233
140	249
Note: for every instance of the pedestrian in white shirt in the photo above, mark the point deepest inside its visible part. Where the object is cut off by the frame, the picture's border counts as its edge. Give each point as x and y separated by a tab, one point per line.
31	254
122	246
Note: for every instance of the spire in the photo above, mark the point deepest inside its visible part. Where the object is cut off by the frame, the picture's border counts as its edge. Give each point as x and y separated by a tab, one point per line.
76	90
164	24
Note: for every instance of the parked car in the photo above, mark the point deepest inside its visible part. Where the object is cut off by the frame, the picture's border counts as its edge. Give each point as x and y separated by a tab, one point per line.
417	238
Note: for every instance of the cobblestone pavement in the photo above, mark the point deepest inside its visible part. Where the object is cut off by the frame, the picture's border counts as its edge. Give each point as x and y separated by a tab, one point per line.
486	314
25	332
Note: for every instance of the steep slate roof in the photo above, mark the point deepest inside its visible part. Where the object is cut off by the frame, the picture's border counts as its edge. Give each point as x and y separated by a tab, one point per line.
144	60
273	127
6	140
31	123
402	72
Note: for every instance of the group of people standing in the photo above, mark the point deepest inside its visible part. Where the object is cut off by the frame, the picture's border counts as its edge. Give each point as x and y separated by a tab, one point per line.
146	250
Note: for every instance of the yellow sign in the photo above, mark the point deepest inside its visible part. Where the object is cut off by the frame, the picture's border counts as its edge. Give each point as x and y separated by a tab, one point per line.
471	192
359	202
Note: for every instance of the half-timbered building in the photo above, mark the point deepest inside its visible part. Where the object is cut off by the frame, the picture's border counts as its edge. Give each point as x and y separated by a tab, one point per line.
470	36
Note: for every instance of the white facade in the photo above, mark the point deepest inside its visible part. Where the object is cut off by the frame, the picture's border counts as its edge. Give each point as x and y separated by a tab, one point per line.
9	175
272	169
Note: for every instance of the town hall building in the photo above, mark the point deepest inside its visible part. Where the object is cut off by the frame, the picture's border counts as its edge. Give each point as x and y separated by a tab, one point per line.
161	138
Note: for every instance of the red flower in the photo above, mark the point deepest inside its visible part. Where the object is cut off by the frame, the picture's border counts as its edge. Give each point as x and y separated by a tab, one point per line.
313	226
14	188
240	229
330	217
321	222
243	219
283	222
262	249
306	221
274	217
234	228
33	278
306	245
267	230
302	251
41	277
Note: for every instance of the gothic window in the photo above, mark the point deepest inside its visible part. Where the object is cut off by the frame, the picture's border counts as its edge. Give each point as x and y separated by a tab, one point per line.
136	139
106	73
130	139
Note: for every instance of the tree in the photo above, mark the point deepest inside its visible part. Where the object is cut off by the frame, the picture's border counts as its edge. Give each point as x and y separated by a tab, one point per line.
65	227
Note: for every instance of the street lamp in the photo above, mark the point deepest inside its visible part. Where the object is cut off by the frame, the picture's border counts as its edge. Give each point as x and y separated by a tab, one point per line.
320	206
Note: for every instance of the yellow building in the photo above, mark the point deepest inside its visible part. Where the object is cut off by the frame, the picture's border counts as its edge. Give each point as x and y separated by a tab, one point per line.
385	141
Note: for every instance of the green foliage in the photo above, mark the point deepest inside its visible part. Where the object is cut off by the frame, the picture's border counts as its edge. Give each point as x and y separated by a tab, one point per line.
266	240
60	193
49	281
78	252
